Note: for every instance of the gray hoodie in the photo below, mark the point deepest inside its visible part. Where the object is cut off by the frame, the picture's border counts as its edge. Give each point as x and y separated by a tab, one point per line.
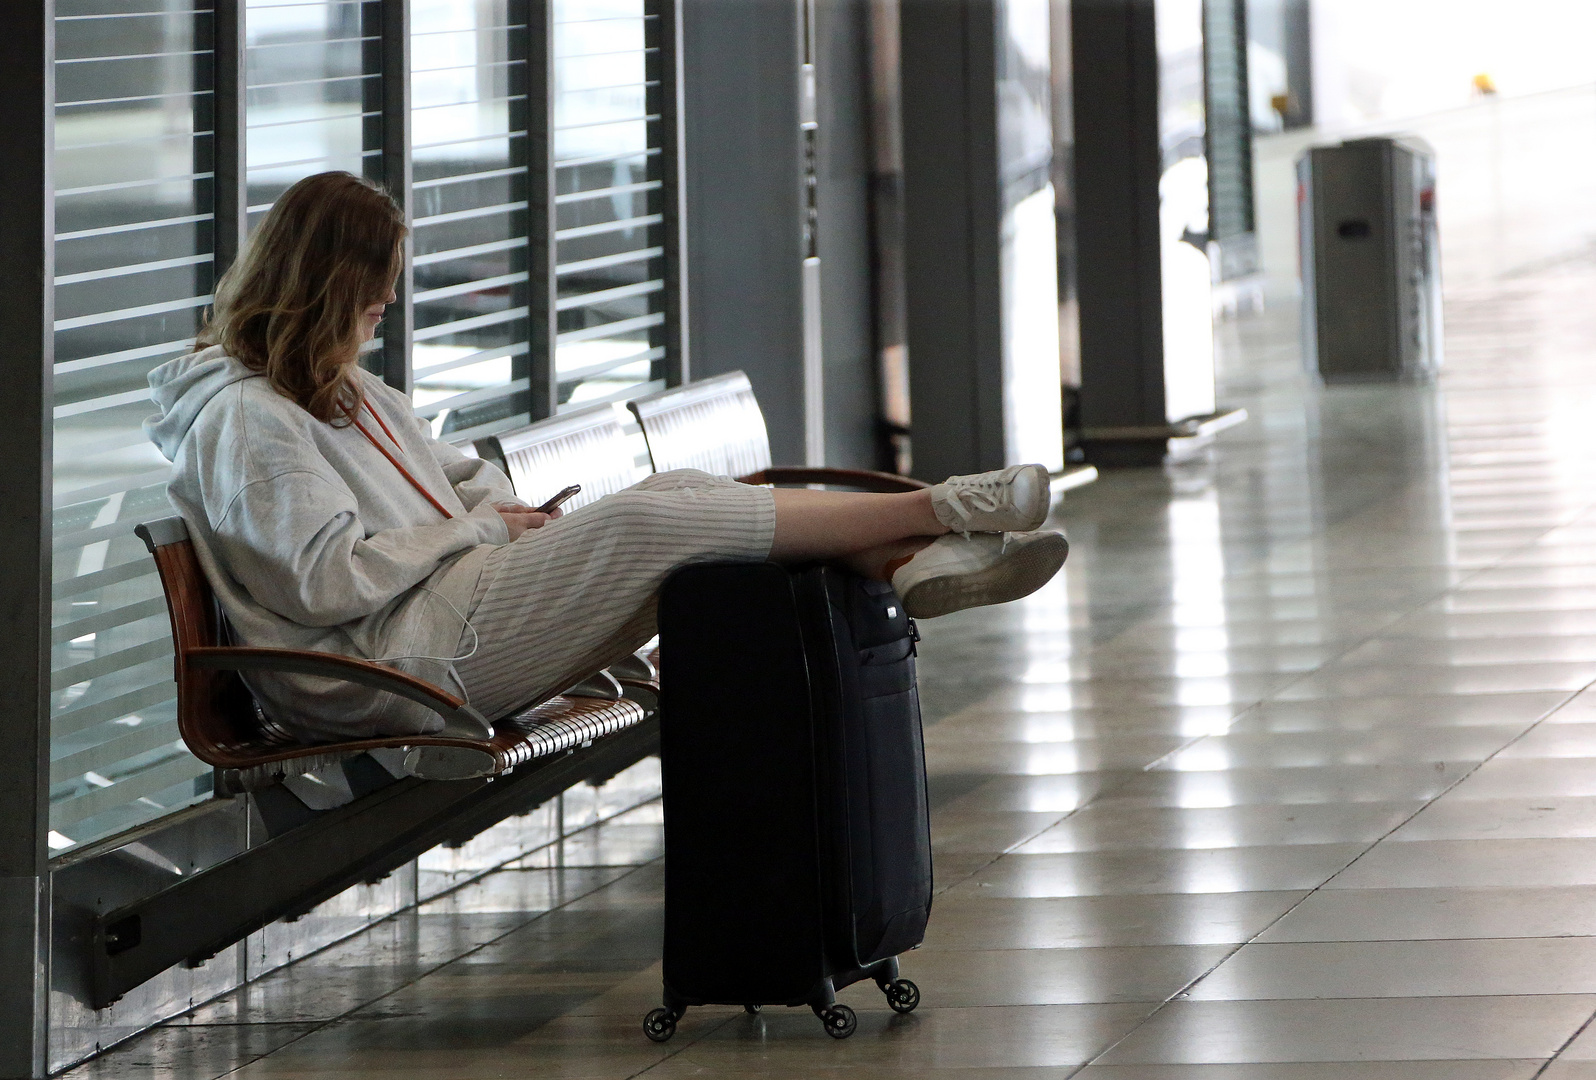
313	540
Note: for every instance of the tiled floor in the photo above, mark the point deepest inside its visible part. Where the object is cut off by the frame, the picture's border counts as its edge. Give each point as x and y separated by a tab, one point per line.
1291	776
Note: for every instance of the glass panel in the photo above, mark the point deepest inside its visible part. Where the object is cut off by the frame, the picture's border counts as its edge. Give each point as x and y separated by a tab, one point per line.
469	137
609	239
133	178
314	104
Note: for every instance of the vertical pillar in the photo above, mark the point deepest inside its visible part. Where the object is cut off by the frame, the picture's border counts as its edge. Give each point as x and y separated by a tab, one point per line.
542	287
841	50
1299	65
668	85
1115	53
27	312
1146	307
398	324
809	185
951	218
230	90
979	245
1064	221
888	301
745	208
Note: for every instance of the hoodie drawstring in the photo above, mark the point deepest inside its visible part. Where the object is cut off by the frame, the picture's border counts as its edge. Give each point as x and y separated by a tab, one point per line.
396	462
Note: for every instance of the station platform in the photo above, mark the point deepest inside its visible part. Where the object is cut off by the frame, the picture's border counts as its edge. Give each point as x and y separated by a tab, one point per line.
1291	774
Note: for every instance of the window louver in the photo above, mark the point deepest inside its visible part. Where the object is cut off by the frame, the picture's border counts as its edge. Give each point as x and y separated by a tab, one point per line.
133	171
609	226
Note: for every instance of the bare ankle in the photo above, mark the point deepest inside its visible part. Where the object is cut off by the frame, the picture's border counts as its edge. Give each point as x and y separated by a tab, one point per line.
880	563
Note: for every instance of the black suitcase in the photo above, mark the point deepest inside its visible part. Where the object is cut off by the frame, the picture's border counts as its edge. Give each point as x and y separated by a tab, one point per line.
797	832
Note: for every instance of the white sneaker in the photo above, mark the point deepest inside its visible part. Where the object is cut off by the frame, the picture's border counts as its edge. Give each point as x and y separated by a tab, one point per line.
1015	499
958	572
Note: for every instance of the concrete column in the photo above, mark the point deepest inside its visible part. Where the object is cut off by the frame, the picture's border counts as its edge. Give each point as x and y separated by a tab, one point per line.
27	313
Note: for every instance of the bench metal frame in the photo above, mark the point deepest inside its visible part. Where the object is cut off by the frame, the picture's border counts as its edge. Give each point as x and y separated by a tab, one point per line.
316	855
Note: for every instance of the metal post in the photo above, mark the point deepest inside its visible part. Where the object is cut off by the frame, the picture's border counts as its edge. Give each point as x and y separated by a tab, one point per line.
952	202
667	77
745	209
27	313
232	181
542	318
398	324
1299	65
1115	56
809	183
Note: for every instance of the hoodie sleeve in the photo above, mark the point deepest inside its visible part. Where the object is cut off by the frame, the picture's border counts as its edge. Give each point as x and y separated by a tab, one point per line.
294	540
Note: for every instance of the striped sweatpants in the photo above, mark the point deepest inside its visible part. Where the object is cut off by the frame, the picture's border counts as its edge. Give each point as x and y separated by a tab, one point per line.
566	600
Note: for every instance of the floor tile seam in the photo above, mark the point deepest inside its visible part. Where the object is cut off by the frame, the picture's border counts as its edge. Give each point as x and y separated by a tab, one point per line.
316	1026
932	950
1571	696
1315	890
681	1049
1273	697
1083	1066
1424	805
1229	726
1586	994
235	1070
1547	1064
1404	941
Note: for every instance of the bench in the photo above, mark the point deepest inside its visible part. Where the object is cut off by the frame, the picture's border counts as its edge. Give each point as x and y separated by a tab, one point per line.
587	447
716	425
221	724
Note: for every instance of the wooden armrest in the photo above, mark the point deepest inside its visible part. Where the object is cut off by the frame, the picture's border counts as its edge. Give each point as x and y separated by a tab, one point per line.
864	479
460	719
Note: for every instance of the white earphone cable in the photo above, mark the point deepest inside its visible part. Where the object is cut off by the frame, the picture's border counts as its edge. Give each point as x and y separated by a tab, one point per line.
476	639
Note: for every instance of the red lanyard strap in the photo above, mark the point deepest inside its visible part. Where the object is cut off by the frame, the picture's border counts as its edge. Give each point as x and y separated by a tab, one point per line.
425	494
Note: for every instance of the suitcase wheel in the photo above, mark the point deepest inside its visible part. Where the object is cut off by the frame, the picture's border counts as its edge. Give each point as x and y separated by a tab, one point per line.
659	1025
902	995
751	1010
839	1021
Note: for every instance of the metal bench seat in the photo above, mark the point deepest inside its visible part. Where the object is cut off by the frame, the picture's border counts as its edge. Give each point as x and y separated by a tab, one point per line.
586	447
223	726
716	425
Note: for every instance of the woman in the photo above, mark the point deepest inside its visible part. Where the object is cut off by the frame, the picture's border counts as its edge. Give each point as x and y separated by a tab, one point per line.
327	518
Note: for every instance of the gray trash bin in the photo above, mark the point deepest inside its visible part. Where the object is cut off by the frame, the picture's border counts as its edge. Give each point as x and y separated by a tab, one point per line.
1371	271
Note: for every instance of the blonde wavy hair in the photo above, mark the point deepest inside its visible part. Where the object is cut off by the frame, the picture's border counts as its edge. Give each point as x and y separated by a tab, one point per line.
290	306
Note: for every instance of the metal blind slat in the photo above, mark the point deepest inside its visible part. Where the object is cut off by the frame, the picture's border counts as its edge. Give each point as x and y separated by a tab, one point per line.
472	397
72	721
68	812
140	740
62	678
477	357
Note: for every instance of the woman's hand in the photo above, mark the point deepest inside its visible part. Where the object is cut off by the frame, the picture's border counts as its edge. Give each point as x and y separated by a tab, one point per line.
519	517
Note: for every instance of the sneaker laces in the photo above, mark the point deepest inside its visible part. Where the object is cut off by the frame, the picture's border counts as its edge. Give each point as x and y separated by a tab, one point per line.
966	496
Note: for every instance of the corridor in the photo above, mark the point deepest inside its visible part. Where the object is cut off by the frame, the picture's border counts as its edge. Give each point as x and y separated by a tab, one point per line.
1290	775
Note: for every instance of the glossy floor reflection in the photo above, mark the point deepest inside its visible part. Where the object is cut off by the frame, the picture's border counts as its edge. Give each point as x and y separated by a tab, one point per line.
1288	777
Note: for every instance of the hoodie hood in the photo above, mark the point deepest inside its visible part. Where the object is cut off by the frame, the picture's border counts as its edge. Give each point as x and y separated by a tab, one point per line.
181	388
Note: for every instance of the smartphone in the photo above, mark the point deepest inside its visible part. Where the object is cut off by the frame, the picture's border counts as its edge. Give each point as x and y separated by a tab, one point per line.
560	497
